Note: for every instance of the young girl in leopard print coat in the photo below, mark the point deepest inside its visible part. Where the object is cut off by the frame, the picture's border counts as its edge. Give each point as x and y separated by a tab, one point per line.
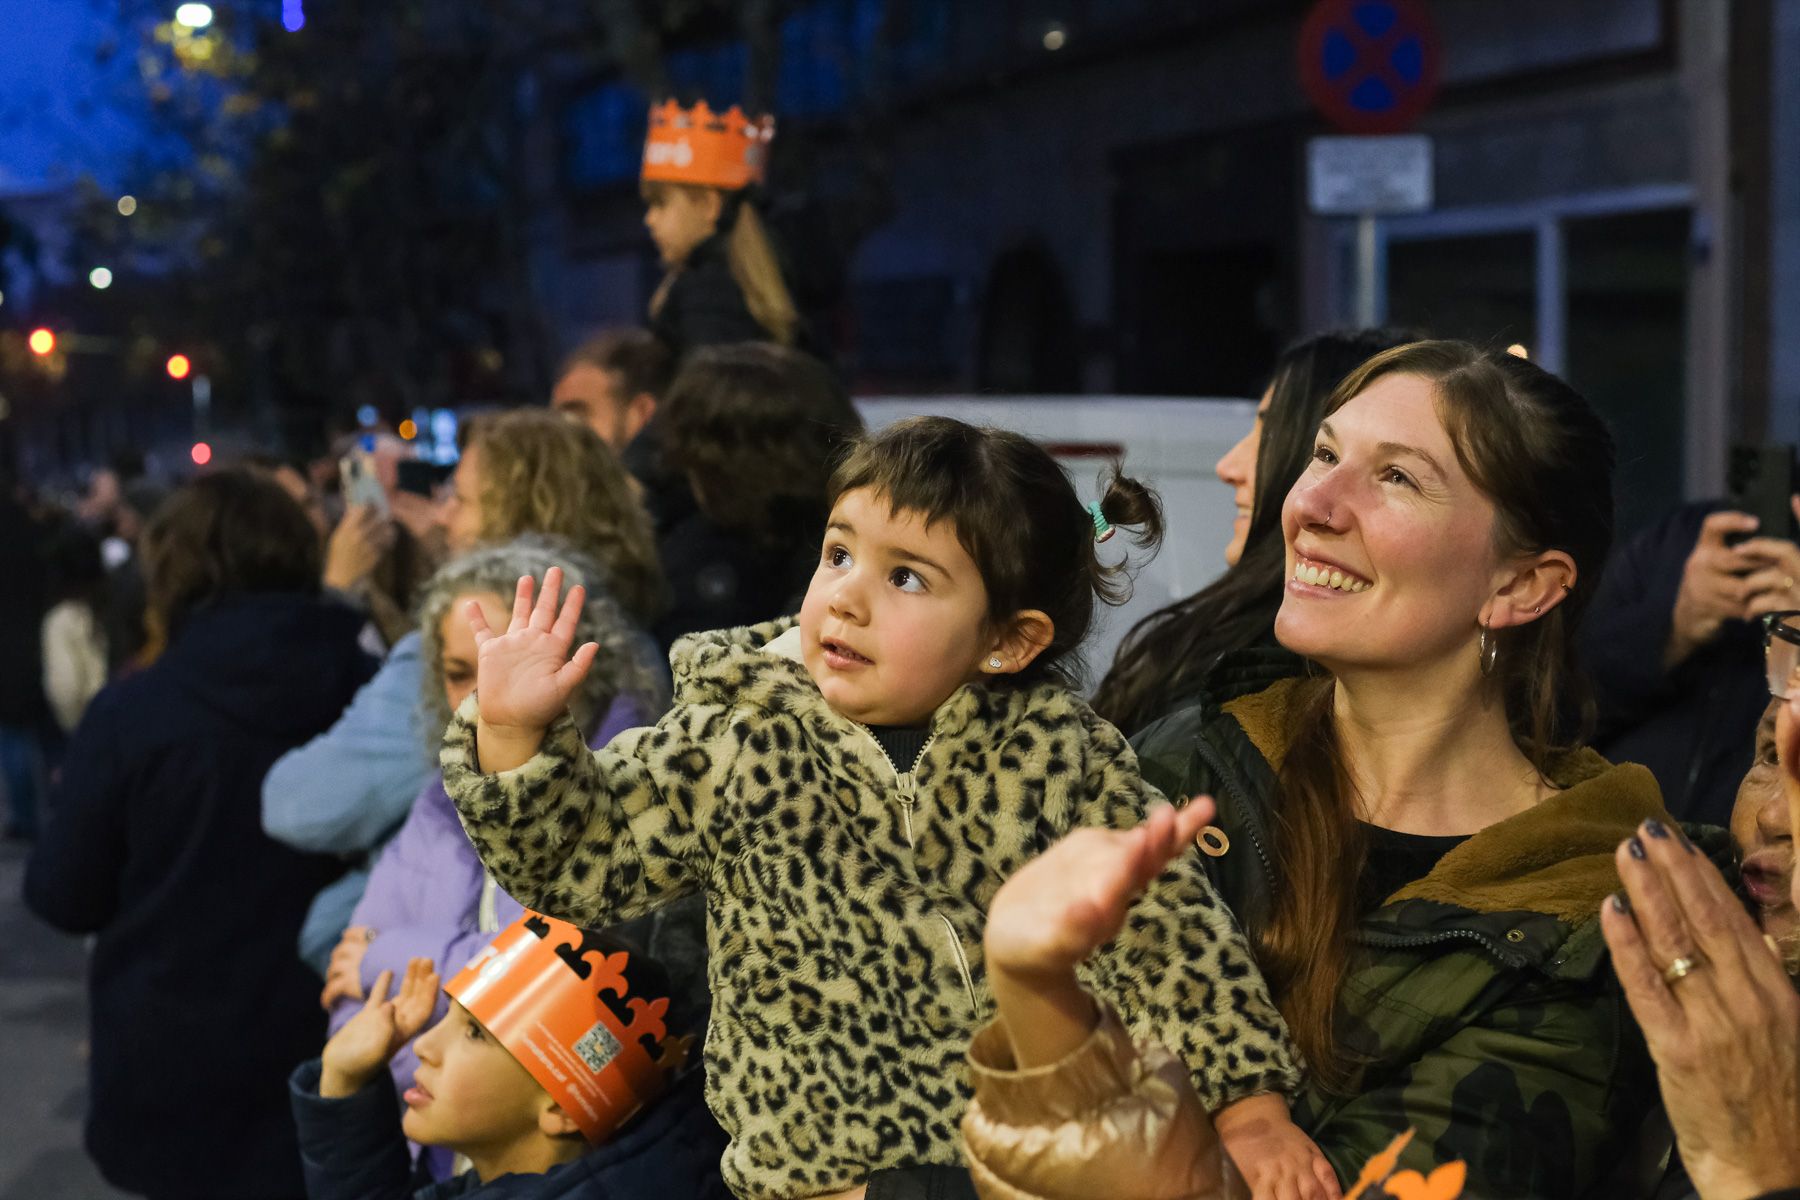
849	790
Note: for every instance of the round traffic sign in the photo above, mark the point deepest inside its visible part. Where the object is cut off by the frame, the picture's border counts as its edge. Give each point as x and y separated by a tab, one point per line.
1370	66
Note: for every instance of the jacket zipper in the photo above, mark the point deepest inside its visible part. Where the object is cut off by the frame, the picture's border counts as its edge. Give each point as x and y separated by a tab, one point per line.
1454	935
1229	786
904	781
907	784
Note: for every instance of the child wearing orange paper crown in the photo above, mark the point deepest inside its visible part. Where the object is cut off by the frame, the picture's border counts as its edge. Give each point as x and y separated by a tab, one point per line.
552	1073
849	791
724	280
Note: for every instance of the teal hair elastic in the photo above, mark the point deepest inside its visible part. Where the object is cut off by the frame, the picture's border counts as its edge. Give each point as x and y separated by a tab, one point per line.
1103	528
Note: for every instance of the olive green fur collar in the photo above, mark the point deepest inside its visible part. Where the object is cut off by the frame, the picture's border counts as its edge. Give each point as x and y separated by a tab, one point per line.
1555	858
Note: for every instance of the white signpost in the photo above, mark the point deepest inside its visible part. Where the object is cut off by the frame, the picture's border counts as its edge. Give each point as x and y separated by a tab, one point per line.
1366	177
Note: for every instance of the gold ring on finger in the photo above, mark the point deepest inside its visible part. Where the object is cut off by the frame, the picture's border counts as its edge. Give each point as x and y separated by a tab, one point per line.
1680	969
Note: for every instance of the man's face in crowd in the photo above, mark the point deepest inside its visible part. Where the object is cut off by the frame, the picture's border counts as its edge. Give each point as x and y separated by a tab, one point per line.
595	396
1760	824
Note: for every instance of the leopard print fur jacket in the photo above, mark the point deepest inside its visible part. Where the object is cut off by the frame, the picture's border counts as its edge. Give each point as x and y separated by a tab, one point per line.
846	899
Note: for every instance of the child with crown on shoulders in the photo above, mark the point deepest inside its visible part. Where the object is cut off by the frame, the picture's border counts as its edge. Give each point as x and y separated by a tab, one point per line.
723	280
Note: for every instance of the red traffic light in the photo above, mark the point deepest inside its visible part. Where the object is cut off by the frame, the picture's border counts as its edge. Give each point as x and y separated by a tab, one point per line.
179	366
201	454
41	341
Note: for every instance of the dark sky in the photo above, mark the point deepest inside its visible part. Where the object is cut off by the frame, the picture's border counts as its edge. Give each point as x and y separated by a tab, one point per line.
62	113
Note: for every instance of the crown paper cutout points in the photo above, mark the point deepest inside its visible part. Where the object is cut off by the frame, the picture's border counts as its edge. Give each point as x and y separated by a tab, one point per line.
563	1006
696	145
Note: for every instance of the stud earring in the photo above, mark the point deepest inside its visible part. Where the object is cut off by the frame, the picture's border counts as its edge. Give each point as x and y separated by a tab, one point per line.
994	664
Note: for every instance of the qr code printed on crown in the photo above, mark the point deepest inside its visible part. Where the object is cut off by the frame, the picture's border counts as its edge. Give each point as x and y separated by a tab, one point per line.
597	1047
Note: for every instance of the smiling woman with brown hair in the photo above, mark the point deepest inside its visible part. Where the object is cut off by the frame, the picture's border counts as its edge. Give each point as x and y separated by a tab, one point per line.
1416	860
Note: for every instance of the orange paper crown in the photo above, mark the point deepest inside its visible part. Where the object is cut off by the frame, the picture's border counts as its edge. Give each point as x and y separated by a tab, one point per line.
696	145
560	1000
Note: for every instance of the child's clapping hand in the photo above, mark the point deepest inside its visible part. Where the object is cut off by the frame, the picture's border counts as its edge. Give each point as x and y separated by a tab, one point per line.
525	676
362	1048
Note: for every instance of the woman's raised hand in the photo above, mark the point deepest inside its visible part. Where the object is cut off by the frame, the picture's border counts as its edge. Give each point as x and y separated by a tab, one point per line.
525	676
1070	900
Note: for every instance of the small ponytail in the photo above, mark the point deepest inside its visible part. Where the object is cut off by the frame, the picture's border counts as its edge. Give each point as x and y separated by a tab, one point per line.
1126	504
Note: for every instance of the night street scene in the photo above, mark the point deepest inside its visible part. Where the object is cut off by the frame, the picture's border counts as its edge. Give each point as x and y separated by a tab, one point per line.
900	599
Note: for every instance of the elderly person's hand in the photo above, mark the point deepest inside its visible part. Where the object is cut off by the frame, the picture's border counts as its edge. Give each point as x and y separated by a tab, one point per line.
1719	1013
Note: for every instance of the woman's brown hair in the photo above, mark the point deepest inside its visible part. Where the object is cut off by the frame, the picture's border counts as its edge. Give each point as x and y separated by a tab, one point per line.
757	428
1541	454
225	534
1167	656
546	475
1016	513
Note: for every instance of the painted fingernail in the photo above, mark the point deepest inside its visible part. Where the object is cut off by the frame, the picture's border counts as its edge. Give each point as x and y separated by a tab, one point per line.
1682	837
1636	847
1656	828
1621	903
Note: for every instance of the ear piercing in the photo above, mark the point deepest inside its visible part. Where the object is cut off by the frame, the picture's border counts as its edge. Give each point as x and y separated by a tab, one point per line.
994	663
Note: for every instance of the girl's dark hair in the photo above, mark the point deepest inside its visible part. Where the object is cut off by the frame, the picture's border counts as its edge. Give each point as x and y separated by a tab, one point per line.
1544	458
757	428
1016	514
1167	654
222	535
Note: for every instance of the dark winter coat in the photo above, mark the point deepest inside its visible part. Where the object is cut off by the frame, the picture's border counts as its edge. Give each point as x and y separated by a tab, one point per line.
154	843
353	1149
721	579
1694	726
1482	998
22	606
704	306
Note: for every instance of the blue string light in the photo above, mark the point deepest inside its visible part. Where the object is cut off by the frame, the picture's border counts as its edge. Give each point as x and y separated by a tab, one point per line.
293	15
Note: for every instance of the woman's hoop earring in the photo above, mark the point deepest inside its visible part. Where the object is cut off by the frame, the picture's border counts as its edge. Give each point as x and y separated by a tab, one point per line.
1490	651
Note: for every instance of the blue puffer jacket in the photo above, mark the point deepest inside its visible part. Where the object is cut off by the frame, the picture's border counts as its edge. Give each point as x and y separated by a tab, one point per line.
352	1149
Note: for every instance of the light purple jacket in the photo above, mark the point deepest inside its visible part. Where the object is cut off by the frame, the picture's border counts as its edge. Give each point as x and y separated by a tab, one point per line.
424	896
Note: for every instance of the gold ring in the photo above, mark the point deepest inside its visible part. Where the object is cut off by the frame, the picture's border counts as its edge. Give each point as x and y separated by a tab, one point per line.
1680	969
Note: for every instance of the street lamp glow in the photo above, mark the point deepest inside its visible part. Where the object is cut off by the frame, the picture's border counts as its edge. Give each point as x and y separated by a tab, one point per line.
178	366
194	16
41	341
100	277
127	205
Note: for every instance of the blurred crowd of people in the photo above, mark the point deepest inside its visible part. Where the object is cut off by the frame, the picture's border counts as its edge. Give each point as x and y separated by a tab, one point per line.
687	795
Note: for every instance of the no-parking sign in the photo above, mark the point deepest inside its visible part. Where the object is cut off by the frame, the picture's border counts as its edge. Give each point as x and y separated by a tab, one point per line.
1370	66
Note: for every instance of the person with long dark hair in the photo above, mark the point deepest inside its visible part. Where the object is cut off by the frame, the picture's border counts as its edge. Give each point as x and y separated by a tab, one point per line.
1168	653
1417	858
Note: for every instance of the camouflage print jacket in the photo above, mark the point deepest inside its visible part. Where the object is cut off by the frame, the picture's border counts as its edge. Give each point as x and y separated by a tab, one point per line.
1482	1000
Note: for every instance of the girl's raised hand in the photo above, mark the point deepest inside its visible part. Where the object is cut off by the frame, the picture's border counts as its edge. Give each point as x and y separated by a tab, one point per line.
525	676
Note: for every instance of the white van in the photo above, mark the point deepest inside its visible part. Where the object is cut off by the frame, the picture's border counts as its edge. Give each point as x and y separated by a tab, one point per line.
1170	443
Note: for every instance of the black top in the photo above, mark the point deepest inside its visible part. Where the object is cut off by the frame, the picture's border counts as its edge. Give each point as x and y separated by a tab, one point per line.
704	306
903	743
1396	859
